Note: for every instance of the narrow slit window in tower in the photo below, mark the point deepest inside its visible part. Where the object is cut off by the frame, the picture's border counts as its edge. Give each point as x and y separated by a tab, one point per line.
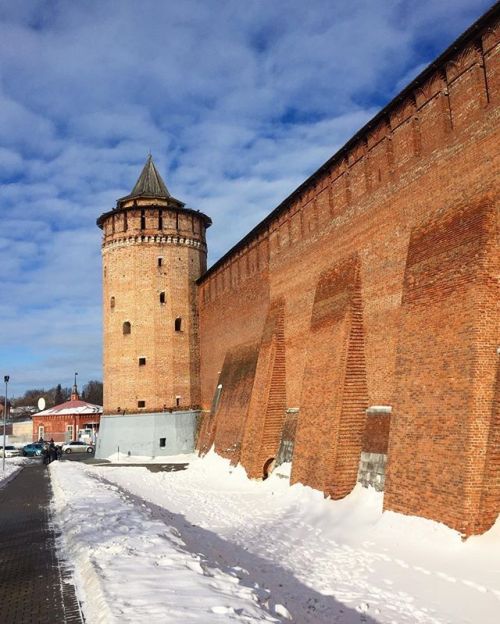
127	328
178	324
125	221
143	219
160	219
177	401
176	220
112	303
160	262
162	297
142	361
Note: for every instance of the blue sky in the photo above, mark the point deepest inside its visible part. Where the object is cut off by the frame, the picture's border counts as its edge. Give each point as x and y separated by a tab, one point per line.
239	101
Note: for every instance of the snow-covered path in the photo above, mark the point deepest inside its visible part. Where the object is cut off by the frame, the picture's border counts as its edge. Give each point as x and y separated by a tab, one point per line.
268	545
12	466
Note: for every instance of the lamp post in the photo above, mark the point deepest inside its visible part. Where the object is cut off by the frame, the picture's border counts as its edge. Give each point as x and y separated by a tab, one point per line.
6	379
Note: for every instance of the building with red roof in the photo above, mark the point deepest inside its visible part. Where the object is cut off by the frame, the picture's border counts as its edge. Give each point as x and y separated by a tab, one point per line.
72	420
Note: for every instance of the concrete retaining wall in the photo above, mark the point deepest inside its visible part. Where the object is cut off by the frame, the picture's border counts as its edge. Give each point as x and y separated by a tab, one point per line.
142	434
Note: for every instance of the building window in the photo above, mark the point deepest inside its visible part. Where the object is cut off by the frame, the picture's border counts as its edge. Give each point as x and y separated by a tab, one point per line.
41	432
160	219
143	219
127	328
160	262
162	297
178	324
141	403
125	221
112	302
177	400
69	432
163	442
142	361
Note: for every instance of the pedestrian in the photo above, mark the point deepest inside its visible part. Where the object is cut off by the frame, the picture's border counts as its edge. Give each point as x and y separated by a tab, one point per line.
52	451
46	455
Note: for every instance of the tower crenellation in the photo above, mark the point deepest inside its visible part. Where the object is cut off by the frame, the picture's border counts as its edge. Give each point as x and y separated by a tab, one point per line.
153	251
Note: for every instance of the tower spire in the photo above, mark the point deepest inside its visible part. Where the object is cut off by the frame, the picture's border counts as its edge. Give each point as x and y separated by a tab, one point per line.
74	391
150	183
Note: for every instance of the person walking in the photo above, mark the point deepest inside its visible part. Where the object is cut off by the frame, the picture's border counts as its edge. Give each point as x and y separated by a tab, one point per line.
46	455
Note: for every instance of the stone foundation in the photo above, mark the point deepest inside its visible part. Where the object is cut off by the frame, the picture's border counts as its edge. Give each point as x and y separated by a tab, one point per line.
372	470
150	435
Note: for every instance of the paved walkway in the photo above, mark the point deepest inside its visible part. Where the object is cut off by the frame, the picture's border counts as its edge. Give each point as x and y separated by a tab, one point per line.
34	587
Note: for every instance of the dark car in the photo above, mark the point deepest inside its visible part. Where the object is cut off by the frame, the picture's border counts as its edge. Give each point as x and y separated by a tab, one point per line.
33	450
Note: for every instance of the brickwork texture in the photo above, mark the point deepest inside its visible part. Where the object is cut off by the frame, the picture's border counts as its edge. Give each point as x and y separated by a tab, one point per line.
376	283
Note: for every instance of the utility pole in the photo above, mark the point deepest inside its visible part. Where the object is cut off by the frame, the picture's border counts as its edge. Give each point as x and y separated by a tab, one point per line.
6	379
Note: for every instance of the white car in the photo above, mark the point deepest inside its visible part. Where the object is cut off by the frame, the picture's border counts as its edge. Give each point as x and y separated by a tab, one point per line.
77	446
10	451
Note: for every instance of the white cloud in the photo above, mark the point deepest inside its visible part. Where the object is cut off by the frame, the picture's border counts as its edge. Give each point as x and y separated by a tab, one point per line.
238	102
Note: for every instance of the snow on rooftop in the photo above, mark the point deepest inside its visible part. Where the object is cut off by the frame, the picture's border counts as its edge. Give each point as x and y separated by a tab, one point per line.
72	407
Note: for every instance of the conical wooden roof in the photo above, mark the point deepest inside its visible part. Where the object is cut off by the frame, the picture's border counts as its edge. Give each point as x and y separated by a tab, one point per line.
150	183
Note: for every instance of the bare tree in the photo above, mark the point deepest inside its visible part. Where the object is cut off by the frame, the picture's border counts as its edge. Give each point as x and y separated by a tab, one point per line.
92	391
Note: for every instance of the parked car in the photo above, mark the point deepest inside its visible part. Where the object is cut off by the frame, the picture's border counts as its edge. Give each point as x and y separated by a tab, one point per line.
77	446
33	450
10	451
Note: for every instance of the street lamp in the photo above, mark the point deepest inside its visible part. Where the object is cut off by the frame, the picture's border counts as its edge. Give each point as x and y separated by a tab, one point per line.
6	379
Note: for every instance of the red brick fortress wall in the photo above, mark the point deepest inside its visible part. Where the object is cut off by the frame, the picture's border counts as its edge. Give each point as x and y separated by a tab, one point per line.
376	284
446	368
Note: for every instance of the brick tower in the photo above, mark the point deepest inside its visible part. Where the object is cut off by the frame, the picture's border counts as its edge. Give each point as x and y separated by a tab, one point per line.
153	251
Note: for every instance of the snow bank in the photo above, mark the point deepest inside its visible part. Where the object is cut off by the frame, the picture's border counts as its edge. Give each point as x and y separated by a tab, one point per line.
124	458
12	466
130	567
387	566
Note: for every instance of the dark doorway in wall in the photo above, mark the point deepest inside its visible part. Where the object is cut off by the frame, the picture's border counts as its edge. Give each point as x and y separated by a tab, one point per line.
268	468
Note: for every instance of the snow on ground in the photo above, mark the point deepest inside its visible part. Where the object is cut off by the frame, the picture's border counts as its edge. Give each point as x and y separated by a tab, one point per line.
12	466
285	548
130	567
124	458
